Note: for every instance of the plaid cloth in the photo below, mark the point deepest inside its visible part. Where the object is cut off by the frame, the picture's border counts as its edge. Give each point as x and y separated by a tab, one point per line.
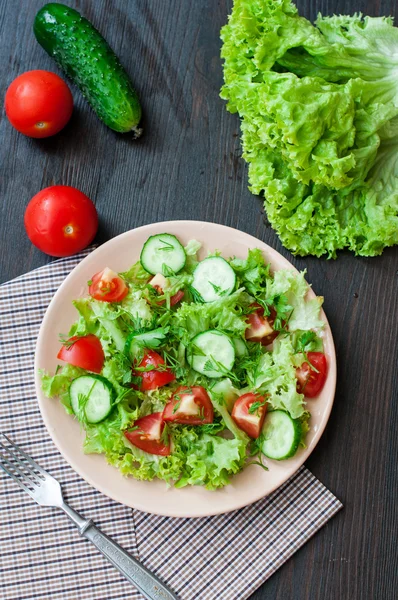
43	557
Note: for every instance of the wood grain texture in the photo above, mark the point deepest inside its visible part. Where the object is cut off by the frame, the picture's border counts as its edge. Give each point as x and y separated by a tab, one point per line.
188	165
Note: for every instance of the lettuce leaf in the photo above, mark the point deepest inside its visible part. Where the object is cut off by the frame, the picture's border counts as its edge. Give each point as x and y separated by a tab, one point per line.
209	460
319	109
253	272
137	306
57	385
191	251
306	312
102	319
197	458
225	313
224	393
106	438
220	405
275	376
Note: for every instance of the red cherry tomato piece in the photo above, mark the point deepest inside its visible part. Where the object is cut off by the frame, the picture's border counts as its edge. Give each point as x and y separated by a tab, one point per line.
250	422
189	406
178	296
107	286
85	352
148	435
261	328
159	291
309	381
153	378
60	220
38	103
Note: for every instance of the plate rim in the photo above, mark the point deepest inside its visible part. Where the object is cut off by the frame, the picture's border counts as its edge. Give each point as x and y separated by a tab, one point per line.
136	504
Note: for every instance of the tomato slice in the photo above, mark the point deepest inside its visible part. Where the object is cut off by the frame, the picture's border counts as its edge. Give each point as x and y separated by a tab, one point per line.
178	296
189	406
153	378
261	328
310	382
85	352
250	421
158	282
107	286
148	435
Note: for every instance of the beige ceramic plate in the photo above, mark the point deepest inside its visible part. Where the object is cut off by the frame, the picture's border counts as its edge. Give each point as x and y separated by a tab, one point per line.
153	496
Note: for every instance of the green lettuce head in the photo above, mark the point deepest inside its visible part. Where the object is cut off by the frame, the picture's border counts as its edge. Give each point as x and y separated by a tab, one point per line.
319	110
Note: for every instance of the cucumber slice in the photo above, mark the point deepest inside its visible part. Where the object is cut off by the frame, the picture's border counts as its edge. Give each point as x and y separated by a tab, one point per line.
163	253
93	395
211	353
240	347
214	278
282	435
147	339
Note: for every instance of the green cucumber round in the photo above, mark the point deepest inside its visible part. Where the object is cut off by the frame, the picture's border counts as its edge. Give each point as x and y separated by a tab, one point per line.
162	253
211	353
214	278
282	435
91	397
85	57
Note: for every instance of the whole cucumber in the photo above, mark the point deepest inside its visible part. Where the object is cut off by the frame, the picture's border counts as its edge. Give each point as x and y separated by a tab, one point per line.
85	57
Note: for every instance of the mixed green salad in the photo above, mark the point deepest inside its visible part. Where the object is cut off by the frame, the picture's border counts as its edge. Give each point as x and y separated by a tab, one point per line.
188	370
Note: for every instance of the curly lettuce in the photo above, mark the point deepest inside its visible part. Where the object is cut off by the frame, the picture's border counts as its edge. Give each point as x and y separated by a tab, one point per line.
275	376
319	110
197	458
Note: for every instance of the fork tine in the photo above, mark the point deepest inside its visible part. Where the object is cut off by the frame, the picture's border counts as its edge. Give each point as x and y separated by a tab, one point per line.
31	463
14	462
13	476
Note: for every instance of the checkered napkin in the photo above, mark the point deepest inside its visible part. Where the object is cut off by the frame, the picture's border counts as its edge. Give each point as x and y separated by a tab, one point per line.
42	556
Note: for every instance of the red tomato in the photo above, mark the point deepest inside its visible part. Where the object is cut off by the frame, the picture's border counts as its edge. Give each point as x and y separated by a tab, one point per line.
85	352
250	422
261	327
153	378
107	286
60	220
178	296
189	406
38	103
310	382
147	436
159	291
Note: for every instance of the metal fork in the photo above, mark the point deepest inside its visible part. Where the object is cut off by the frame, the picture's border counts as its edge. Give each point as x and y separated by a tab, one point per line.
46	491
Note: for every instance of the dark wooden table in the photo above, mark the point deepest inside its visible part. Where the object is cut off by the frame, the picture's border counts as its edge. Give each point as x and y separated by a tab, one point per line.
188	166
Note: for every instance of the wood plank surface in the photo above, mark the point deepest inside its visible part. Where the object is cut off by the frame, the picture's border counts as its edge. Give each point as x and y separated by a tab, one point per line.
188	166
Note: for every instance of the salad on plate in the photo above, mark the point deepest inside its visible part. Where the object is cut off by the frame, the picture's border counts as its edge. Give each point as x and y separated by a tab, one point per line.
189	370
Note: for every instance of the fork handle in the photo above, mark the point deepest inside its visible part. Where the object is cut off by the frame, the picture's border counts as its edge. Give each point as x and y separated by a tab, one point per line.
145	581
